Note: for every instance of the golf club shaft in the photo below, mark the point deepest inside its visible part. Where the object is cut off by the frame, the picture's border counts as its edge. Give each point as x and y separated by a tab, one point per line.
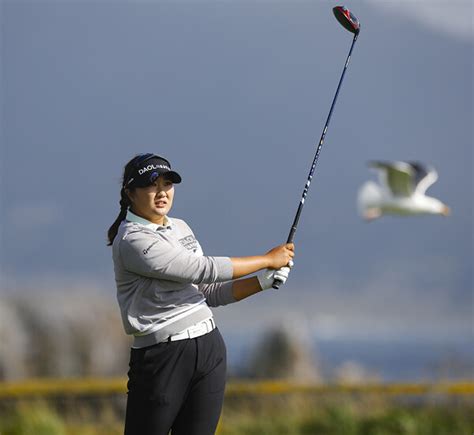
276	282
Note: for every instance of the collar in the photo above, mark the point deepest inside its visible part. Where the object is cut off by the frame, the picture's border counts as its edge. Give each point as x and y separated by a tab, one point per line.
132	217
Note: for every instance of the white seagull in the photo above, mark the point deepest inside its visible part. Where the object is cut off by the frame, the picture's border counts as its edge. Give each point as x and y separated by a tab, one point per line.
401	191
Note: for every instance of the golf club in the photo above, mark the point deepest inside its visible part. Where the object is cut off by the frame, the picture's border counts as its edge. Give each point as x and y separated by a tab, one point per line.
351	23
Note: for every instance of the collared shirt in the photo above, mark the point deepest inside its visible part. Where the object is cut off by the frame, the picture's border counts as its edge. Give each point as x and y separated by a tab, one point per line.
132	217
164	282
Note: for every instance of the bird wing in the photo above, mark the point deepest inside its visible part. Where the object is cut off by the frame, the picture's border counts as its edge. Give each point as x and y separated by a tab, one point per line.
396	176
424	176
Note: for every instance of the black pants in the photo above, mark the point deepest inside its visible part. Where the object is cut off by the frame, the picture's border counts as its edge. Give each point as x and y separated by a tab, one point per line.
177	386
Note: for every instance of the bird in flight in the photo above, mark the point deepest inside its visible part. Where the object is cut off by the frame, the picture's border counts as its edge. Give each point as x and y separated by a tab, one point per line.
401	191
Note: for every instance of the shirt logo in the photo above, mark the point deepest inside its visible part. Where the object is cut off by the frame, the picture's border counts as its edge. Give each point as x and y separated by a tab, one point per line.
145	251
189	242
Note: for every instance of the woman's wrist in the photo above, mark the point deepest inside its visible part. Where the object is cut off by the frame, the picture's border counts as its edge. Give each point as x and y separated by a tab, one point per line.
266	261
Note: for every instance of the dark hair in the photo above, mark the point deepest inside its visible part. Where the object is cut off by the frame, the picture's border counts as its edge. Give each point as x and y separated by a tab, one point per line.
124	201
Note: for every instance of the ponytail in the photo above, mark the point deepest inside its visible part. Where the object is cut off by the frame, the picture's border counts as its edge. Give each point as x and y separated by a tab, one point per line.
128	173
124	204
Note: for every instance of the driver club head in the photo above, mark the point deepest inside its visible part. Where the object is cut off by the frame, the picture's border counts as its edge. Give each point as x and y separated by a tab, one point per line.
347	19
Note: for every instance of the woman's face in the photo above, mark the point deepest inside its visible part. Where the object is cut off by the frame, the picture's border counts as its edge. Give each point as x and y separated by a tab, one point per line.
153	202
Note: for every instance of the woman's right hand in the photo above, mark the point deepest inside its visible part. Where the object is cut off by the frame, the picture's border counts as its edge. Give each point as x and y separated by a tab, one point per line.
275	258
280	256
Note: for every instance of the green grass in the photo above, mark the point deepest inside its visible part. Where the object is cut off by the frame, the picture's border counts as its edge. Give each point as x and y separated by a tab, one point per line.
296	414
334	420
32	419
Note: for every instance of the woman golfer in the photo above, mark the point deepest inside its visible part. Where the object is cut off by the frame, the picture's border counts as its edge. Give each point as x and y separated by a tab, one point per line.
165	285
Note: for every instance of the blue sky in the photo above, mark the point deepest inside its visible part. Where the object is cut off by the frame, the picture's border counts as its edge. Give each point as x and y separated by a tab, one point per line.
235	94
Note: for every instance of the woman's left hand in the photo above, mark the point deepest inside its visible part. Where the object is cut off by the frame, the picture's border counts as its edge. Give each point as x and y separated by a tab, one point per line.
267	276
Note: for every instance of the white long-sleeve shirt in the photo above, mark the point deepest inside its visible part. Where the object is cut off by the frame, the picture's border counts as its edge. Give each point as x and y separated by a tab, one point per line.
165	284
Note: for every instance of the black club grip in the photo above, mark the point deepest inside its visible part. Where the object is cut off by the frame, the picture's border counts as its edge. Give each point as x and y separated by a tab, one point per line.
277	283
